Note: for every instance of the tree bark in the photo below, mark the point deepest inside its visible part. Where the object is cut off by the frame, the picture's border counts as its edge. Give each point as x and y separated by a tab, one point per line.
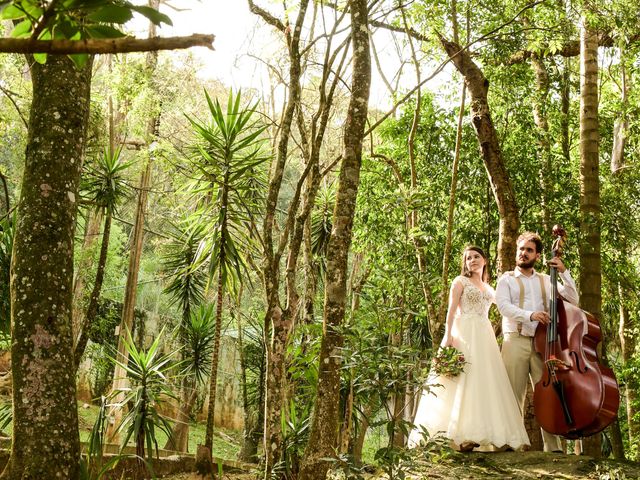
96	46
503	192
589	246
272	436
324	428
215	355
45	442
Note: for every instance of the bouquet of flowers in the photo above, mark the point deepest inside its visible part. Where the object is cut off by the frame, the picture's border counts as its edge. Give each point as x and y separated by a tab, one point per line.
449	362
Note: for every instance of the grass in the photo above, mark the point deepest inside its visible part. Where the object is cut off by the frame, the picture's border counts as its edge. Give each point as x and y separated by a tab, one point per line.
226	443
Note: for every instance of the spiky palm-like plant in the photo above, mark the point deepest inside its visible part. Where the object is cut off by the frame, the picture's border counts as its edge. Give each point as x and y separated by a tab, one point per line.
187	279
148	372
105	187
227	155
186	288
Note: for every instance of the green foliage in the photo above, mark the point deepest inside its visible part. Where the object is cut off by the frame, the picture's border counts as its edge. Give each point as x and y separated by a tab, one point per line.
73	20
105	184
322	223
6	415
227	157
148	371
295	424
187	280
197	335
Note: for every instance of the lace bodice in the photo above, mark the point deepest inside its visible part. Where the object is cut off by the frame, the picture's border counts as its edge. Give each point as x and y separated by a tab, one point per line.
473	299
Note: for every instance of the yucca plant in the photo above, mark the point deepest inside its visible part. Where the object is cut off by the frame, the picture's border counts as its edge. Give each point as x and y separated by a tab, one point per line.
187	278
92	464
186	287
6	415
105	187
196	336
227	154
148	372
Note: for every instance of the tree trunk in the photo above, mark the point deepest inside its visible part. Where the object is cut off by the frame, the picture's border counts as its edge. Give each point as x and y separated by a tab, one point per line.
589	246
179	440
543	142
278	321
131	288
45	442
358	442
628	348
324	428
215	355
5	191
491	153
92	309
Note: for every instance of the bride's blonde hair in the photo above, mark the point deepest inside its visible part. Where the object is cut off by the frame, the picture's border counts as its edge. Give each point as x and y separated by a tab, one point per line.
464	271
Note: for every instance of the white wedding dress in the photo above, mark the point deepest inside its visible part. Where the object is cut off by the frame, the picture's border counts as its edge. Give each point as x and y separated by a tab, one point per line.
478	405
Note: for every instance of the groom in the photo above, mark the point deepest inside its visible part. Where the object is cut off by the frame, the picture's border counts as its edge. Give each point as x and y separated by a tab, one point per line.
522	297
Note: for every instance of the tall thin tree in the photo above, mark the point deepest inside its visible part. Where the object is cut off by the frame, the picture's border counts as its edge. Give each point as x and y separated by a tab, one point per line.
590	214
323	436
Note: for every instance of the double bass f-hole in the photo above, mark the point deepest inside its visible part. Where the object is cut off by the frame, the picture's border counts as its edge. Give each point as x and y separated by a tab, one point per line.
576	361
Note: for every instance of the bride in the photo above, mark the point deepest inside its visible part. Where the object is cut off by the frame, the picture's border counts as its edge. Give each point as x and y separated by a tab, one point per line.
478	406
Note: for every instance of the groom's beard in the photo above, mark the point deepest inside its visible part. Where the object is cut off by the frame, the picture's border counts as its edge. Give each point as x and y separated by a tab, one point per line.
526	263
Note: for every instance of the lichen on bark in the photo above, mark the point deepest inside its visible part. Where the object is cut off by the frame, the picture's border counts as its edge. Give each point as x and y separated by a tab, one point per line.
45	427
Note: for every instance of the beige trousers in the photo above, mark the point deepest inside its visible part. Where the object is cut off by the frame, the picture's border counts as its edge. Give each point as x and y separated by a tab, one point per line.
522	364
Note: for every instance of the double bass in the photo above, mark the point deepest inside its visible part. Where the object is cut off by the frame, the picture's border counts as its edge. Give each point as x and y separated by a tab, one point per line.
577	395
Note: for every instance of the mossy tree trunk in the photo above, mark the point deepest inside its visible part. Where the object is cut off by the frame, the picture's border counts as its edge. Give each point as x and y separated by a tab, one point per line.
323	436
590	214
501	186
45	442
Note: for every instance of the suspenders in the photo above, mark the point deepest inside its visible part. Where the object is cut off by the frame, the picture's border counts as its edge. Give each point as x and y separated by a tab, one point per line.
521	287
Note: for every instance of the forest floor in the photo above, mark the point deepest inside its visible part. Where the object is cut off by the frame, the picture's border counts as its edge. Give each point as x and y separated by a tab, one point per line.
506	465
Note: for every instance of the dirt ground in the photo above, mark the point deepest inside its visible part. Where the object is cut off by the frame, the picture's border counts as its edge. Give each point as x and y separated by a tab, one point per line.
498	466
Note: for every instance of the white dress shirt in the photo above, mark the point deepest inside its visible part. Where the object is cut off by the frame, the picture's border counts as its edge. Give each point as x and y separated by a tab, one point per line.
508	299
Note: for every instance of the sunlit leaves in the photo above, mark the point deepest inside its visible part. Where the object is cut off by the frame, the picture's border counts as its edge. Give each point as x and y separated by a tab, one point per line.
74	19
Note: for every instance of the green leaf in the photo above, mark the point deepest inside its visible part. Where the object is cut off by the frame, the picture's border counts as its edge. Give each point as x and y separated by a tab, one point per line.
41	58
22	30
111	14
152	14
32	9
80	59
66	29
12	13
104	31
